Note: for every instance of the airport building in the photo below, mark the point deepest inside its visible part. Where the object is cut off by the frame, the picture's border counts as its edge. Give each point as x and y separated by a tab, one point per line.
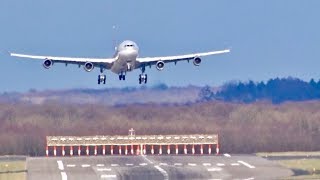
132	144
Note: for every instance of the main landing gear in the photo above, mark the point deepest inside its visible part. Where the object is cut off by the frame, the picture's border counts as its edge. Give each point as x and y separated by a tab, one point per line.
143	77
102	77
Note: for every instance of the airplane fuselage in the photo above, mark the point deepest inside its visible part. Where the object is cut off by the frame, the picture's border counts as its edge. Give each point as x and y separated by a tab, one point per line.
126	55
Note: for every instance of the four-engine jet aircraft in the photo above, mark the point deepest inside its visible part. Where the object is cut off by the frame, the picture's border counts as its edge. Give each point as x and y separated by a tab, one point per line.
125	59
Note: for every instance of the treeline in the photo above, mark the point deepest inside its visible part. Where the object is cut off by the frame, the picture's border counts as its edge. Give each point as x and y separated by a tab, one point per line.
108	96
274	90
243	128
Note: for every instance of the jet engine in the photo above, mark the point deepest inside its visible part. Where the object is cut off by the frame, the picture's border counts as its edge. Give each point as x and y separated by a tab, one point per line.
160	65
47	63
88	66
196	61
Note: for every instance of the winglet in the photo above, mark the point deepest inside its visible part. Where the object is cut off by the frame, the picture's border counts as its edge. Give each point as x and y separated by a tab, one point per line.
227	46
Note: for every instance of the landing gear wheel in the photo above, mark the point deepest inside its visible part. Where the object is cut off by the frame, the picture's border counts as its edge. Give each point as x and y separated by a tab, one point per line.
145	79
140	79
122	77
102	78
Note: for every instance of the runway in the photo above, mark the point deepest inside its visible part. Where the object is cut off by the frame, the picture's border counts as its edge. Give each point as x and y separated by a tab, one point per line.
245	167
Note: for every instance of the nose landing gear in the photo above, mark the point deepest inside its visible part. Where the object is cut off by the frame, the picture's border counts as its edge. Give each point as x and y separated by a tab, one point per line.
122	76
129	67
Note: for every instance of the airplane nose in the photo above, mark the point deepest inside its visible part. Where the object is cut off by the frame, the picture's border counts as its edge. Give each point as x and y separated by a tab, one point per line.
130	53
133	51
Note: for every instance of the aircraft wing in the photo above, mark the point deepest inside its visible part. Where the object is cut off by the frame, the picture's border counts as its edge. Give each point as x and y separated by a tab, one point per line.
153	60
69	60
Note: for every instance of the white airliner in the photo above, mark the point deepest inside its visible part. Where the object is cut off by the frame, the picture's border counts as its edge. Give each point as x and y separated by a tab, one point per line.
125	59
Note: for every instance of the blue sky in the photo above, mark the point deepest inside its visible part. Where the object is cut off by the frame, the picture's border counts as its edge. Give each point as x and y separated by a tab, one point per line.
268	39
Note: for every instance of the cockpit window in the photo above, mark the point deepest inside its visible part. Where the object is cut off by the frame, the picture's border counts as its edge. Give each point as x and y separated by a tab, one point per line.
129	45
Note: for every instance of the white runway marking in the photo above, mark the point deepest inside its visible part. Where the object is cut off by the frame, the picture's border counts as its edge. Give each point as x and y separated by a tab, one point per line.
71	165
85	165
163	172
206	164
64	176
220	164
235	164
60	165
103	169
163	164
143	164
192	164
100	165
108	176
177	164
214	169
149	161
129	164
246	164
227	155
114	165
252	178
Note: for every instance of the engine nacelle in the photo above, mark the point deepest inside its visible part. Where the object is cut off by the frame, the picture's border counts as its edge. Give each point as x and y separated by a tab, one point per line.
160	65
88	66
47	63
196	61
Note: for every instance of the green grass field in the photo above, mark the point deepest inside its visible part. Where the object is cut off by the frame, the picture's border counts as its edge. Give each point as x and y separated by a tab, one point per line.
293	153
9	170
304	168
309	166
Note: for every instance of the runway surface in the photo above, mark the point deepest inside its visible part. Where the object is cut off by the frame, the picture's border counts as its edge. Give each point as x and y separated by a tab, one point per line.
246	167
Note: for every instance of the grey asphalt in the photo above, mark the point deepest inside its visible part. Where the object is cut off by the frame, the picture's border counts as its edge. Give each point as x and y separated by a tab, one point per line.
246	167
